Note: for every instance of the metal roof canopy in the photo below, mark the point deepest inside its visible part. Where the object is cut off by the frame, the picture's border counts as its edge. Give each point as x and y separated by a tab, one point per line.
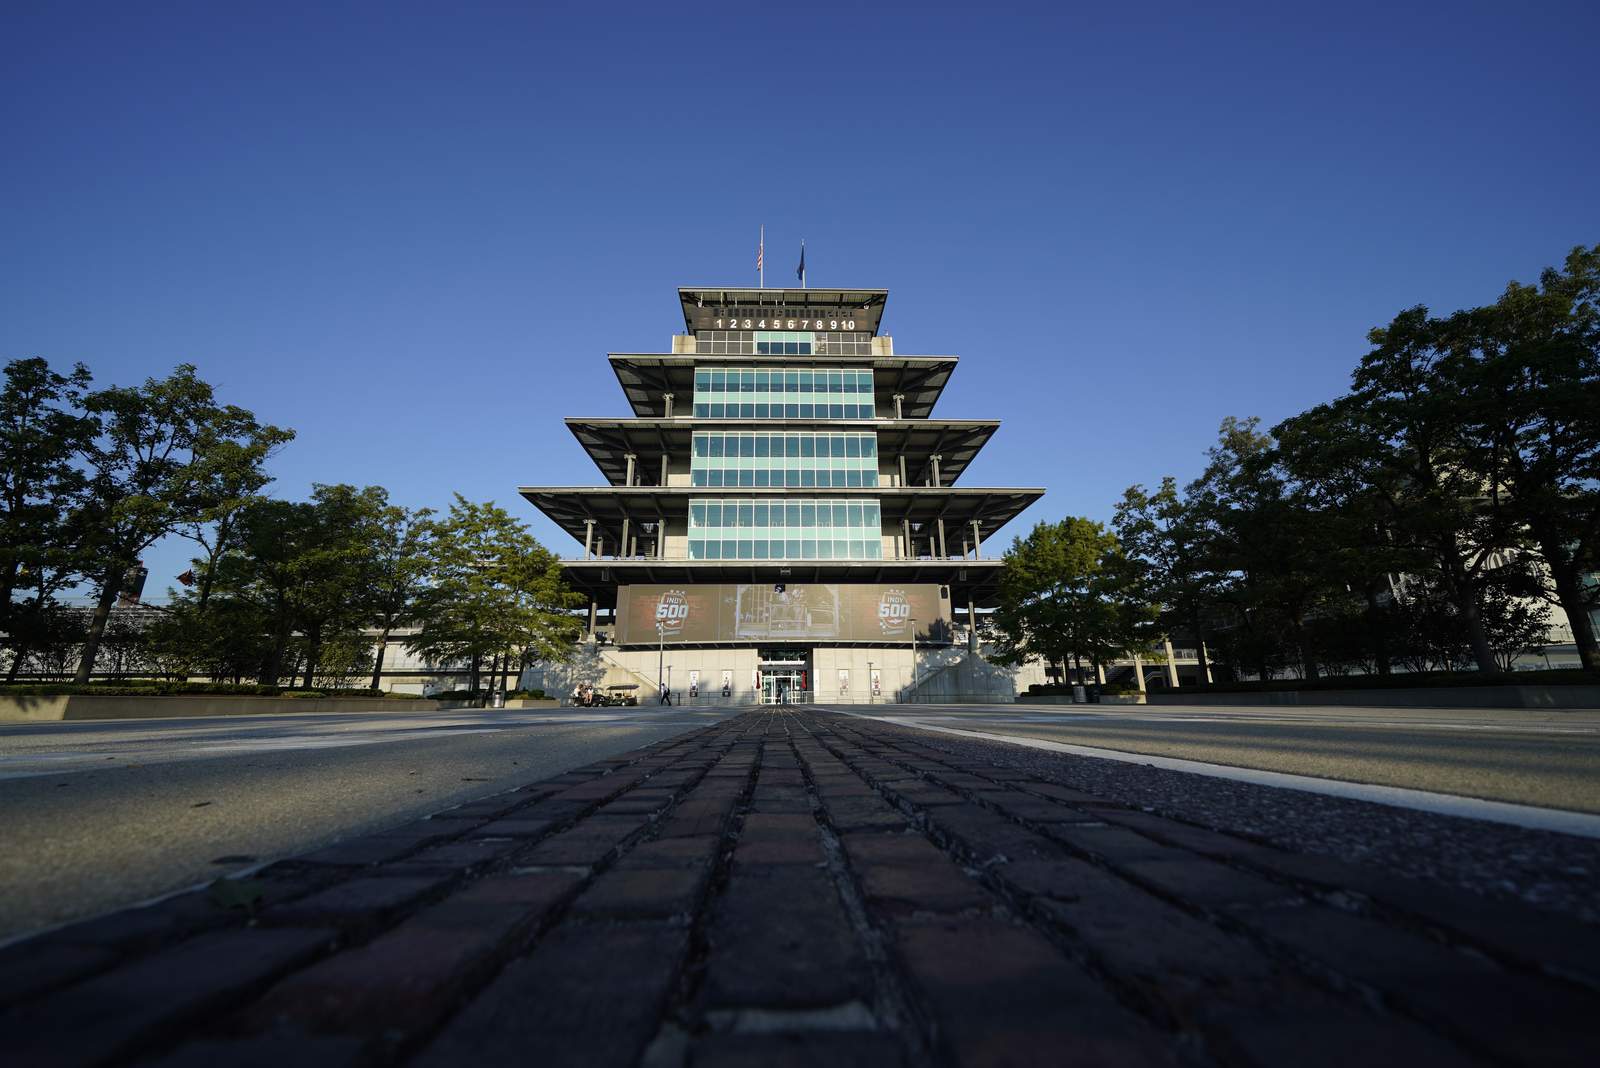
609	441
644	377
702	304
570	507
974	580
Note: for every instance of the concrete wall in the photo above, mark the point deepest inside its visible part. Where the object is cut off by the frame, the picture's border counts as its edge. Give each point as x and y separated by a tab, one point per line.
603	666
942	673
80	707
1417	697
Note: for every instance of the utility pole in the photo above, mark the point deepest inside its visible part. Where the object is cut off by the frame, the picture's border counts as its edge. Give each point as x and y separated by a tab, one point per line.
661	656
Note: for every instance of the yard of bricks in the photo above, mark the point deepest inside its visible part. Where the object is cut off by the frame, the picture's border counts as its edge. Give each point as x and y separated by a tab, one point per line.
799	887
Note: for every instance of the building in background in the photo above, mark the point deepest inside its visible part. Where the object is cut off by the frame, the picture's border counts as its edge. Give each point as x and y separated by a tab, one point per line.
783	515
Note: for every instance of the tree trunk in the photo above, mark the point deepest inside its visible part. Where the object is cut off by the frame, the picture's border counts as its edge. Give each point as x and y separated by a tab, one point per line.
18	655
1464	595
377	660
272	670
1204	660
494	675
1569	591
1378	630
477	663
97	625
313	651
1569	594
1472	615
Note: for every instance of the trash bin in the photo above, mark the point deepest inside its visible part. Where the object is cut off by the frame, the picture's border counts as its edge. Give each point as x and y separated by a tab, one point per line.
497	699
1079	697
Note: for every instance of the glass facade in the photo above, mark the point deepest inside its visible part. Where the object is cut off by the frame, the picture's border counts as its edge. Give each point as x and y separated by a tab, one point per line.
738	458
784	530
762	393
788	342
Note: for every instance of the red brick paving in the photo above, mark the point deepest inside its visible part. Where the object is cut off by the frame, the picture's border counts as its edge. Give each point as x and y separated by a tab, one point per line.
807	888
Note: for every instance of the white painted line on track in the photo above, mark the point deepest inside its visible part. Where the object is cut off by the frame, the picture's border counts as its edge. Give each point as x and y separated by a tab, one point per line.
1582	824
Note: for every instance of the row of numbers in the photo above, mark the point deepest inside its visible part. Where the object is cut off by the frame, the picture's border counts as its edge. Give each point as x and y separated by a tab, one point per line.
786	324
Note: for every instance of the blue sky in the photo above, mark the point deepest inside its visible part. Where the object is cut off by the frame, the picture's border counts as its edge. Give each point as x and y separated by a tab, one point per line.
412	232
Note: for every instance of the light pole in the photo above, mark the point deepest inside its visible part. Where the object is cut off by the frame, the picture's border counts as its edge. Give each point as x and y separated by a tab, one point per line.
661	656
915	673
869	682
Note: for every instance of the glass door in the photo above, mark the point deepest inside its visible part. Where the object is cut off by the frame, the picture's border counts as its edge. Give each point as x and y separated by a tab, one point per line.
779	687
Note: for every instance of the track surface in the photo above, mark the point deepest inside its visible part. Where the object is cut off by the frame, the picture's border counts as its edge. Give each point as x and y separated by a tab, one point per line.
795	887
103	814
1547	758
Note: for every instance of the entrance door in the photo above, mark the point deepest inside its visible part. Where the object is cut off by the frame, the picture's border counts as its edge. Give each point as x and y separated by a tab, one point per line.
779	688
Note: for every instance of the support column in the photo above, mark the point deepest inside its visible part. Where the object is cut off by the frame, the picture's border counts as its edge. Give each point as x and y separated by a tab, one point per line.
628	479
1138	671
966	548
666	399
936	479
1100	673
902	469
661	538
943	554
588	537
972	627
899	405
622	543
1172	667
977	540
592	607
663	481
1206	656
905	539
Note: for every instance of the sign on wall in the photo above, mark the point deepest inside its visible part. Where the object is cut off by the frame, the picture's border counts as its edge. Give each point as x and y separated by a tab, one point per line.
750	612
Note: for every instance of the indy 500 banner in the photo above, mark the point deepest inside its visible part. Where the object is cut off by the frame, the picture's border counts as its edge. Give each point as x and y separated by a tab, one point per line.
794	612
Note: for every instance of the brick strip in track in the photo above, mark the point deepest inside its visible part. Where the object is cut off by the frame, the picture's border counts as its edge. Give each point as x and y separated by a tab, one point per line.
803	887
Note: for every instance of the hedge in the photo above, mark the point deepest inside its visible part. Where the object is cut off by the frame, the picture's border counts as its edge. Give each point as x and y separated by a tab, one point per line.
175	689
1409	680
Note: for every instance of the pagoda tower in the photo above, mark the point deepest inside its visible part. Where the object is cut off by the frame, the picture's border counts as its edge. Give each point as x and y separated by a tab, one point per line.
782	518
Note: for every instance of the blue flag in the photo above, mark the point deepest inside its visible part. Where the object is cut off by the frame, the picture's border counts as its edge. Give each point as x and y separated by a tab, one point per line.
800	272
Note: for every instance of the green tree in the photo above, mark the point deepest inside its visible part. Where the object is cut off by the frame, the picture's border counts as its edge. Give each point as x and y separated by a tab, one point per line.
160	447
1163	534
1530	391
1266	543
1406	436
496	593
43	434
400	567
333	572
260	580
1067	593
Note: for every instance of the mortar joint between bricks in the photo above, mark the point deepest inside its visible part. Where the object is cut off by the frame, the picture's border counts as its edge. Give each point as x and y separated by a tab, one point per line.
1024	911
894	1004
682	1016
1312	969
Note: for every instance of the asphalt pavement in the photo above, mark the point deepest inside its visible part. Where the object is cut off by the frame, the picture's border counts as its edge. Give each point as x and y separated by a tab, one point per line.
1549	758
99	815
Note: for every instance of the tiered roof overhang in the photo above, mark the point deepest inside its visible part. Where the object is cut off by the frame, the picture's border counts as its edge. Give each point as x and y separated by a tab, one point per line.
571	508
977	581
703	305
646	377
610	441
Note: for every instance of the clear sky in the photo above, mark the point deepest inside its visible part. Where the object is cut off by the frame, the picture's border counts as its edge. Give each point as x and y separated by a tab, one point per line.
412	232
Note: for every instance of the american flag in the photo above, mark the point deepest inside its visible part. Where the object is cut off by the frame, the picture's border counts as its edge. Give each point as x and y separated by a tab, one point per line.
761	248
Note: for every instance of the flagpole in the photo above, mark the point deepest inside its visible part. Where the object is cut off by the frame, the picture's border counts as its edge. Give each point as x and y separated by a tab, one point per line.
761	254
